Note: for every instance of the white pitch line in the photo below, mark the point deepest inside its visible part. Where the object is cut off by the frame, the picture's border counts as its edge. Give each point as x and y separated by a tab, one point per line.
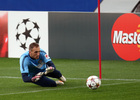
77	78
117	83
123	79
43	90
10	77
62	88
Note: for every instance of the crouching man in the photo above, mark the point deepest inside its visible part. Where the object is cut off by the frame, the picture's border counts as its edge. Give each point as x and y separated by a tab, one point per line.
36	65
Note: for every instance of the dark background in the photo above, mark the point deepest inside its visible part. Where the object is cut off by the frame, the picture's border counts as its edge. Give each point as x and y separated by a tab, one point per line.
75	35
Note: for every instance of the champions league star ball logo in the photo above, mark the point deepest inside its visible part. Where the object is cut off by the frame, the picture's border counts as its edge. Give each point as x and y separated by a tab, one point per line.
27	32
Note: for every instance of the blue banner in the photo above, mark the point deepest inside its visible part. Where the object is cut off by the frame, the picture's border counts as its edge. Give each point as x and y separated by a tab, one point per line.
49	5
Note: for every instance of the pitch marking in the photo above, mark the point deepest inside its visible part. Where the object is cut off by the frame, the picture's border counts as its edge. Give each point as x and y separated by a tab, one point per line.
76	78
63	88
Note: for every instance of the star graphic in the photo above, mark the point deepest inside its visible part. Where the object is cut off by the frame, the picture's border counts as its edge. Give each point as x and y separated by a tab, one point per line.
17	36
36	26
25	21
23	46
37	40
17	26
27	33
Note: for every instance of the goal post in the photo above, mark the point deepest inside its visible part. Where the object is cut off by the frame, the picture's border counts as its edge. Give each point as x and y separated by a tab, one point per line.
99	40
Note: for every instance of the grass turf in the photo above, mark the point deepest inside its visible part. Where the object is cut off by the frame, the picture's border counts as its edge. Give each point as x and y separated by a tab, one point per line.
120	81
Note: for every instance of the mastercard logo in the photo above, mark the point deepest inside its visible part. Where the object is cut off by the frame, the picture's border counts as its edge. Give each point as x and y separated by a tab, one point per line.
125	37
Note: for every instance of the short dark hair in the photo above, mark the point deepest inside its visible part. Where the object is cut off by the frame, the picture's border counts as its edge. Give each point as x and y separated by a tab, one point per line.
32	45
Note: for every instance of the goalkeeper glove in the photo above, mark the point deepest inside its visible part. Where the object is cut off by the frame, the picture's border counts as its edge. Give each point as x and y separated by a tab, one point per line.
49	70
37	77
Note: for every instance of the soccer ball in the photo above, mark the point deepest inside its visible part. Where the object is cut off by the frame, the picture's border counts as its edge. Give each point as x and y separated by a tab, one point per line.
27	31
93	82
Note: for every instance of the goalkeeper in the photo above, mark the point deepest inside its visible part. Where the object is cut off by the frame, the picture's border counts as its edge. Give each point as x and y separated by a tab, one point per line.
35	65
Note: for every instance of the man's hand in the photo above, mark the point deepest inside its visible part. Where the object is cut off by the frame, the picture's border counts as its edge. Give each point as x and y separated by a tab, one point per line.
37	77
49	70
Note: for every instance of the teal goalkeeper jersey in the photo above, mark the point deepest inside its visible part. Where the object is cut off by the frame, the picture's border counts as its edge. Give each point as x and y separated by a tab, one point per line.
33	66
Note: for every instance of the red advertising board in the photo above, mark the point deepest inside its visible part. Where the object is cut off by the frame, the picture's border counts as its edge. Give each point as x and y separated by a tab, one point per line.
125	37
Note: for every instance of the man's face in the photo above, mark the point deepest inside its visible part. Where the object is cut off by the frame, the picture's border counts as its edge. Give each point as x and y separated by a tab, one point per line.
35	52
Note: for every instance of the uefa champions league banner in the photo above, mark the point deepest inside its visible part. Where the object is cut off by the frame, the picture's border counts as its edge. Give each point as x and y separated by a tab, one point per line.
25	28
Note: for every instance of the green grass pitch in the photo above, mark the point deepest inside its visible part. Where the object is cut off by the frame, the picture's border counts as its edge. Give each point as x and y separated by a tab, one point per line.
120	81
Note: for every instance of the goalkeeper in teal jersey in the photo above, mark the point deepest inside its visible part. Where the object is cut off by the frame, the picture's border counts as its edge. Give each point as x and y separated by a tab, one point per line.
36	65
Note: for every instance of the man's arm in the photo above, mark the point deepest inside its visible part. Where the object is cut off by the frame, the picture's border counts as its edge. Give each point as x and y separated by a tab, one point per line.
33	79
50	64
26	78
